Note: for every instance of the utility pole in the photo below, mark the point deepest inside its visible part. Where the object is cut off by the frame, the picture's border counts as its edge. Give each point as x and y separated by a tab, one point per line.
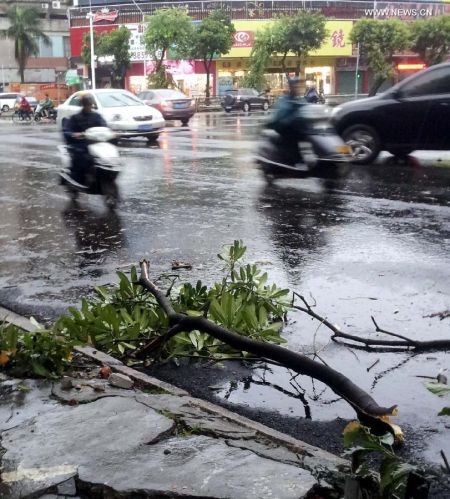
357	72
90	16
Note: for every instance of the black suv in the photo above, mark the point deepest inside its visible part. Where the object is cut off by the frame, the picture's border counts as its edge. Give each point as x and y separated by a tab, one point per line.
414	114
245	99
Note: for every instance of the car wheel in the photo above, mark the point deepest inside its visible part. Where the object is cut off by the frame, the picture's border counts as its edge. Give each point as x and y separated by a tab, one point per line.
246	107
153	137
364	141
227	110
5	108
265	106
185	122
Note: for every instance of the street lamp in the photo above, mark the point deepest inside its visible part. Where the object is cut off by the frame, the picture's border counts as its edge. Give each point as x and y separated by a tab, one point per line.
143	23
90	16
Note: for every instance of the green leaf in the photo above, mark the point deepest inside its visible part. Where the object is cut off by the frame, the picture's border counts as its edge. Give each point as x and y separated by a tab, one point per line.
438	389
445	411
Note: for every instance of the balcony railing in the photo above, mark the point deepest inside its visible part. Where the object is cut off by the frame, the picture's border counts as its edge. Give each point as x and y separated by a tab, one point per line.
259	10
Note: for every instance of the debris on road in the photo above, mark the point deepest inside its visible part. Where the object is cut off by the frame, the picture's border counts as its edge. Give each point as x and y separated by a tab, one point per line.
120	381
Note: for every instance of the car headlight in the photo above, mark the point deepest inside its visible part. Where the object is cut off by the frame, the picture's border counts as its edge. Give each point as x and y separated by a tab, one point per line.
117	117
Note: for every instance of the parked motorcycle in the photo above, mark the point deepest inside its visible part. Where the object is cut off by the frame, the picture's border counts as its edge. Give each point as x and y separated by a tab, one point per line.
321	152
41	113
105	167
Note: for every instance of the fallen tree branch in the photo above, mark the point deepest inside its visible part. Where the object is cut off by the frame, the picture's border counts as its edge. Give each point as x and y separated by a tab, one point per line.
364	405
402	344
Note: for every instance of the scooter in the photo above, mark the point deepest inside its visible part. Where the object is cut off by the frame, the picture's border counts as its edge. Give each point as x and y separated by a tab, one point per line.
321	152
40	113
106	167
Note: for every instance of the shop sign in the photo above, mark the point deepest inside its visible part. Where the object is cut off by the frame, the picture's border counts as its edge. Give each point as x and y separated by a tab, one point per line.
336	44
174	67
105	15
136	43
243	39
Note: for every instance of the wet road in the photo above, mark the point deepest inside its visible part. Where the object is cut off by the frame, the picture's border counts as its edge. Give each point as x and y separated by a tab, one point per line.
376	244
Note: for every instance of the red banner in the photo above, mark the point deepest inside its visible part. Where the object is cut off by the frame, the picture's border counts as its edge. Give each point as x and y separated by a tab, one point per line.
110	16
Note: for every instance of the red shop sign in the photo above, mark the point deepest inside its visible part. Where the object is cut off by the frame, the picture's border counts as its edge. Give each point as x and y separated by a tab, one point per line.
243	39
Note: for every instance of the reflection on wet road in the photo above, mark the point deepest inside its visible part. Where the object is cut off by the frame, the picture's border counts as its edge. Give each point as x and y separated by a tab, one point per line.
374	244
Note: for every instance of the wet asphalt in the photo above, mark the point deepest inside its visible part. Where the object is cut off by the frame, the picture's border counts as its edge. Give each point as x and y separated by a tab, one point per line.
374	244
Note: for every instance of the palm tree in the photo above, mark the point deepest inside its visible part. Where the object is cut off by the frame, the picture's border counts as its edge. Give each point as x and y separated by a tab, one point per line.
25	30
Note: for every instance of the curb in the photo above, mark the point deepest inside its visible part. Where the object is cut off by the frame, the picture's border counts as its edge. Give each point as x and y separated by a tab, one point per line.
142	380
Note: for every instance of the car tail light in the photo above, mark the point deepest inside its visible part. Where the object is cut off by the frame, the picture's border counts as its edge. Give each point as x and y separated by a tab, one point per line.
165	103
193	102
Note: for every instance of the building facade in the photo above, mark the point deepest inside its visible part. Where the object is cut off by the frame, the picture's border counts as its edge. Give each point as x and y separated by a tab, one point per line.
53	60
332	68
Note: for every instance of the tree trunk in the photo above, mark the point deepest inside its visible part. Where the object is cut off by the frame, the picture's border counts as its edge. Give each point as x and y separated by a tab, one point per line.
208	73
22	74
379	80
283	65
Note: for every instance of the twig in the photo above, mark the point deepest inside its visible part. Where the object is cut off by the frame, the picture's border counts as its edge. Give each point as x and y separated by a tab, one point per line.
444	457
403	344
389	333
373	365
361	401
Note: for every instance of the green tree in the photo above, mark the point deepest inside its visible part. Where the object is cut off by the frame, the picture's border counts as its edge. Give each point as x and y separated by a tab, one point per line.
212	37
167	29
25	30
86	49
289	35
116	43
300	35
379	41
263	48
431	39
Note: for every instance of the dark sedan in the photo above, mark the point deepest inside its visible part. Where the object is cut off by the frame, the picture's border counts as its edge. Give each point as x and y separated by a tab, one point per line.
413	115
245	99
172	104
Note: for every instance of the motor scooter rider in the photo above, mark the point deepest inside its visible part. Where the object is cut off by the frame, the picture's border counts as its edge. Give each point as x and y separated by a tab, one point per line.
311	95
46	106
287	120
74	135
25	109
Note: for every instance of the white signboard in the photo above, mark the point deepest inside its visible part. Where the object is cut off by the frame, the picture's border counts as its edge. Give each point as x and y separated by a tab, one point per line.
137	50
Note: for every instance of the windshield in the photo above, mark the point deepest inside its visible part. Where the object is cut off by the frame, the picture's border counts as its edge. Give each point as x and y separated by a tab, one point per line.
117	99
170	94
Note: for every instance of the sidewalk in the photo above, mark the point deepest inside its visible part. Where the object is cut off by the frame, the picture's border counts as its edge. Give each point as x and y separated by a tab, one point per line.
85	436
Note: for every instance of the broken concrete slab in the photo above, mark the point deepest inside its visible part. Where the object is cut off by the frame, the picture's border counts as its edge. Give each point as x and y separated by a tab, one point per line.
22	400
51	448
198	466
89	391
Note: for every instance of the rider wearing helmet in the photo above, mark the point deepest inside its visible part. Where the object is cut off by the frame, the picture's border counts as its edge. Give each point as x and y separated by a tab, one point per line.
74	135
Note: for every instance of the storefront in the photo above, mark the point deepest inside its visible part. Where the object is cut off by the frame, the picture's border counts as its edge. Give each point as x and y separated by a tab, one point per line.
320	66
188	76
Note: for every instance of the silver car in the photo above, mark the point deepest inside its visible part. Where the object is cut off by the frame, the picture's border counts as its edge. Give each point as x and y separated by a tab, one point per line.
123	112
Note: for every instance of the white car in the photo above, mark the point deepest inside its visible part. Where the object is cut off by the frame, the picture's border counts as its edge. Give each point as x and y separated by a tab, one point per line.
123	112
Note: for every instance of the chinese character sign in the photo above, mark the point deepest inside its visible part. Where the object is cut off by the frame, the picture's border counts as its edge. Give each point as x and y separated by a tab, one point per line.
338	38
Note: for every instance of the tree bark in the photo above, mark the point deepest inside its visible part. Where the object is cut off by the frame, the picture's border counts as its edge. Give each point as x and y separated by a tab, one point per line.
207	65
379	80
283	65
